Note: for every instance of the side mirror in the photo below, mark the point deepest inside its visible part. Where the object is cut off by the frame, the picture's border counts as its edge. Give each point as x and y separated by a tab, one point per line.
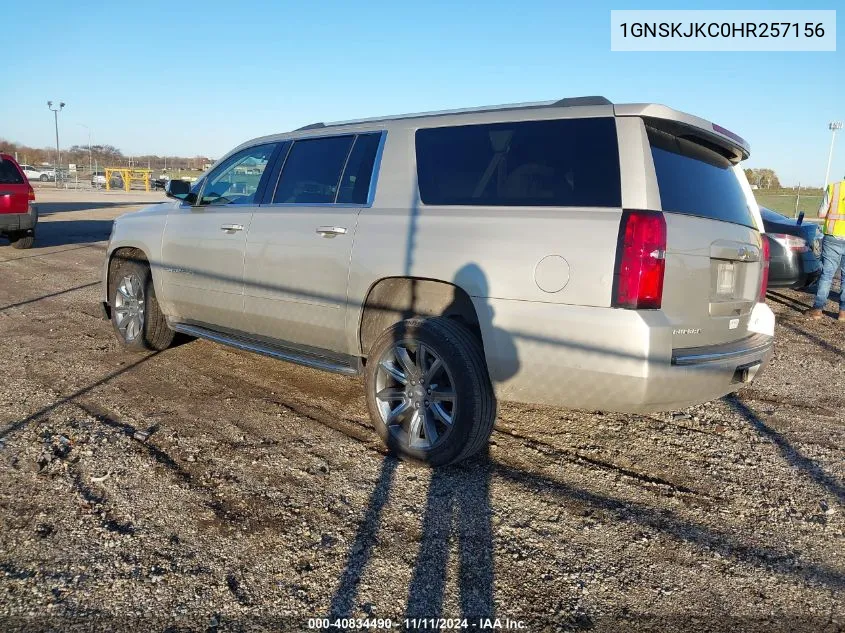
800	218
178	189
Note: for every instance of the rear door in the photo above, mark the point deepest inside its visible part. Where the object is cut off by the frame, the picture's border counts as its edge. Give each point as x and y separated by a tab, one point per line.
299	244
714	252
14	188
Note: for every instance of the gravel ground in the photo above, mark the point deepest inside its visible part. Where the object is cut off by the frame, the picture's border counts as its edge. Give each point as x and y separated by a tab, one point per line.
205	489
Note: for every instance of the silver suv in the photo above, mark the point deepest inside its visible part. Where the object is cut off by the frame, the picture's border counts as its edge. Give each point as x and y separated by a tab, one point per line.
574	253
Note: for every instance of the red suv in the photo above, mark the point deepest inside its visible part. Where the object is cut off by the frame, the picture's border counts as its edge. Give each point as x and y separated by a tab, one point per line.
18	216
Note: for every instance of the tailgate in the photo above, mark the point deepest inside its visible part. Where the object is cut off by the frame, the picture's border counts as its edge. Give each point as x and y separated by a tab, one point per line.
712	279
713	250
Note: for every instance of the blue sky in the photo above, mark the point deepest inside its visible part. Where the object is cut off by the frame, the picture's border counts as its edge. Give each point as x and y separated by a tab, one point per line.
200	77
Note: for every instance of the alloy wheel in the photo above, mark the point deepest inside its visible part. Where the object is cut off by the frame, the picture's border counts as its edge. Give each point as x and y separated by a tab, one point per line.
415	395
129	307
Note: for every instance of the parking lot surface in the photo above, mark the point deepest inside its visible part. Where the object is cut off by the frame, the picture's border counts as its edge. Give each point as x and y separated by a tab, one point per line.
204	488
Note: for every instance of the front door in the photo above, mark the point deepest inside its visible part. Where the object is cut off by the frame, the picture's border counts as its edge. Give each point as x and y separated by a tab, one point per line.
204	243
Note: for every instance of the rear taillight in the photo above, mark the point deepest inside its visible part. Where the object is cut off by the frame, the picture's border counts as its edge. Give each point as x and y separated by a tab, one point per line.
764	273
640	261
790	242
31	193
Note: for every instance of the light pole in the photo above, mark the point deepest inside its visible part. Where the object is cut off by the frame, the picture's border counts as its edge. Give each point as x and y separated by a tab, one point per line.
56	119
834	127
90	162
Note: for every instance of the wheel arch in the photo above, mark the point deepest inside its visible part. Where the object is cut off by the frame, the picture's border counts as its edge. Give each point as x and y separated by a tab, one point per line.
393	299
131	252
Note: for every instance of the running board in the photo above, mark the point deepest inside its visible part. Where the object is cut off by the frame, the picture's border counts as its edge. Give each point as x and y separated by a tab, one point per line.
285	354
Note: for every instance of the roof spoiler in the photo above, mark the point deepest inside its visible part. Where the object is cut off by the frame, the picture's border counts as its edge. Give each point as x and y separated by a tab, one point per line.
736	146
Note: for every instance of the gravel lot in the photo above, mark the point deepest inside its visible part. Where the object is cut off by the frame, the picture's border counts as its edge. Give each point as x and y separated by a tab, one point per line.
261	497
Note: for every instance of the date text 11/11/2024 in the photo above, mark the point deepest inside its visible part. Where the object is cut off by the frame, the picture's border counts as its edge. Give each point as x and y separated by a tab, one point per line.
418	624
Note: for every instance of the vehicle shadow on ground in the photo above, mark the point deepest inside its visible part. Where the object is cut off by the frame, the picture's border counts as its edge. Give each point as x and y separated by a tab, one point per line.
11	428
789	452
789	302
48	296
51	208
458	506
457	510
817	340
783	561
66	232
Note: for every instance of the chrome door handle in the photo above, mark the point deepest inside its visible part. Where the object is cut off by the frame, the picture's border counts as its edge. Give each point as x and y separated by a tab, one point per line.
231	228
331	231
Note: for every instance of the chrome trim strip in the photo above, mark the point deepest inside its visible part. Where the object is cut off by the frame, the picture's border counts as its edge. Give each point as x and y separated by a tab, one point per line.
756	344
285	355
334	205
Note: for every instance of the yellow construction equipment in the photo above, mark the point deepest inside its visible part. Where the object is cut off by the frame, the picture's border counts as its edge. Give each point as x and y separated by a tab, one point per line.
128	175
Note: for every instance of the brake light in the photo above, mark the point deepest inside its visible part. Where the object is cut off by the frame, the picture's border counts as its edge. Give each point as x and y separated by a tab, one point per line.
640	261
729	134
31	193
764	273
790	242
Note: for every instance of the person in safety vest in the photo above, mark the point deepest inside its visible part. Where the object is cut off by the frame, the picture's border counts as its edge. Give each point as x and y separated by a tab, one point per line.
833	249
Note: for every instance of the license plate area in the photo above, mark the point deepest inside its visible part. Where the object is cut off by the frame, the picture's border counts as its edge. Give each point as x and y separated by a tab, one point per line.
732	281
726	277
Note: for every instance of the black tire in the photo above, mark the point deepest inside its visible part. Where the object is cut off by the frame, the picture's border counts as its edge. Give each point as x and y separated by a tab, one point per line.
462	353
155	335
22	240
44	178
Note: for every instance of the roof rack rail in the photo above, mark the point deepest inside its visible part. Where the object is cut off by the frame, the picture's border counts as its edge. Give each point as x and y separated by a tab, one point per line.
311	126
583	101
567	102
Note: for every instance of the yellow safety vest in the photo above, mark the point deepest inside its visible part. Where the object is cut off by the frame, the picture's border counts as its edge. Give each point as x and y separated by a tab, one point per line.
834	223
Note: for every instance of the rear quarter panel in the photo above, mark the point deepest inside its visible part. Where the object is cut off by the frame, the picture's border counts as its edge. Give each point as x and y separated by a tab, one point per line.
490	252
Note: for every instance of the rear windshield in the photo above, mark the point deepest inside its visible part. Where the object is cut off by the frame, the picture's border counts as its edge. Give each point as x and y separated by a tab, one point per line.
560	163
697	180
9	174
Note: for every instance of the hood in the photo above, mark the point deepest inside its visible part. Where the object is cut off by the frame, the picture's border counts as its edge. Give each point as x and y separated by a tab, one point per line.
162	208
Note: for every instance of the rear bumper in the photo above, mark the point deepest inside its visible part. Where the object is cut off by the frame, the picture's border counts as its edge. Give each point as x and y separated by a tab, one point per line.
608	359
10	222
793	270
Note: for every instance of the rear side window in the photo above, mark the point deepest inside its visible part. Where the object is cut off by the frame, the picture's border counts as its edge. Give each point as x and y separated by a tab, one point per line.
312	170
697	180
560	163
9	174
355	184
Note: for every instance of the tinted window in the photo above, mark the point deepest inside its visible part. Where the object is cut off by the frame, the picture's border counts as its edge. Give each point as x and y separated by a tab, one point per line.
571	162
697	180
312	170
236	180
9	174
355	183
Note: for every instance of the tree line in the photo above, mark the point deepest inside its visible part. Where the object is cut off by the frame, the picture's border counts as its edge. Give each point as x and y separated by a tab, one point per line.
763	178
100	155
